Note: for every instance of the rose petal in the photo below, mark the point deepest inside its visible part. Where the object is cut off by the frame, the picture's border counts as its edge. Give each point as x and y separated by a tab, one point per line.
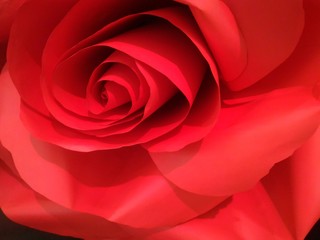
114	92
101	16
130	77
157	56
197	124
161	88
157	46
221	31
7	160
91	16
35	113
302	67
67	95
22	205
270	31
44	128
25	49
246	142
249	215
117	184
65	91
181	19
297	198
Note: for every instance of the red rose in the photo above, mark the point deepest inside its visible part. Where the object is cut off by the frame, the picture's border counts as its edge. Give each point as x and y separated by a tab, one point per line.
161	120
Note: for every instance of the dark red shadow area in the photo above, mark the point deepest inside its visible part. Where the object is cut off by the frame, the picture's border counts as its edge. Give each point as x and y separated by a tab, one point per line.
12	231
314	234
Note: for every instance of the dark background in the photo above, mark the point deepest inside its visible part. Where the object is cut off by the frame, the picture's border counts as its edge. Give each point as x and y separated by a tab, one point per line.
12	231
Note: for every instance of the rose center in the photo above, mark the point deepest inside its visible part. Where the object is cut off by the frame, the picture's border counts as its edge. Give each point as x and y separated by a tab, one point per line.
113	95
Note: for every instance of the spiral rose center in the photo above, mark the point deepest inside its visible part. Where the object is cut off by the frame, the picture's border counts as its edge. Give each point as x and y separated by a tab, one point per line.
113	95
133	81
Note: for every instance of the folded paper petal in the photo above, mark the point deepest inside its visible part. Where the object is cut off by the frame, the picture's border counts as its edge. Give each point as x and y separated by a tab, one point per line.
122	185
25	49
249	39
247	141
24	206
249	215
293	186
302	66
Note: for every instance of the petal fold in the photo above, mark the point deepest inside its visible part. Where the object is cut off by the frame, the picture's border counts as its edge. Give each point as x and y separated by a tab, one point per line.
249	215
246	142
258	37
297	198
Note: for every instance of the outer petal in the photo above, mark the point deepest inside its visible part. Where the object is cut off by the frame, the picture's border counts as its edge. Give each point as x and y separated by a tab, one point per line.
22	205
220	28
246	142
25	49
121	185
293	186
259	35
302	67
249	215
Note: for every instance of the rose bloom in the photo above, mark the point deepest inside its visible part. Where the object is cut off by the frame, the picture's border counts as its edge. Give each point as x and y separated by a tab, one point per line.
178	120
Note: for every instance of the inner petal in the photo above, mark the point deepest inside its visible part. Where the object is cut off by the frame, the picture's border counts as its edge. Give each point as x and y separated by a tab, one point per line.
114	95
118	79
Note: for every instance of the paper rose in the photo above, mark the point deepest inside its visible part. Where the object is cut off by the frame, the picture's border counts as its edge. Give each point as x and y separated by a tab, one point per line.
161	119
